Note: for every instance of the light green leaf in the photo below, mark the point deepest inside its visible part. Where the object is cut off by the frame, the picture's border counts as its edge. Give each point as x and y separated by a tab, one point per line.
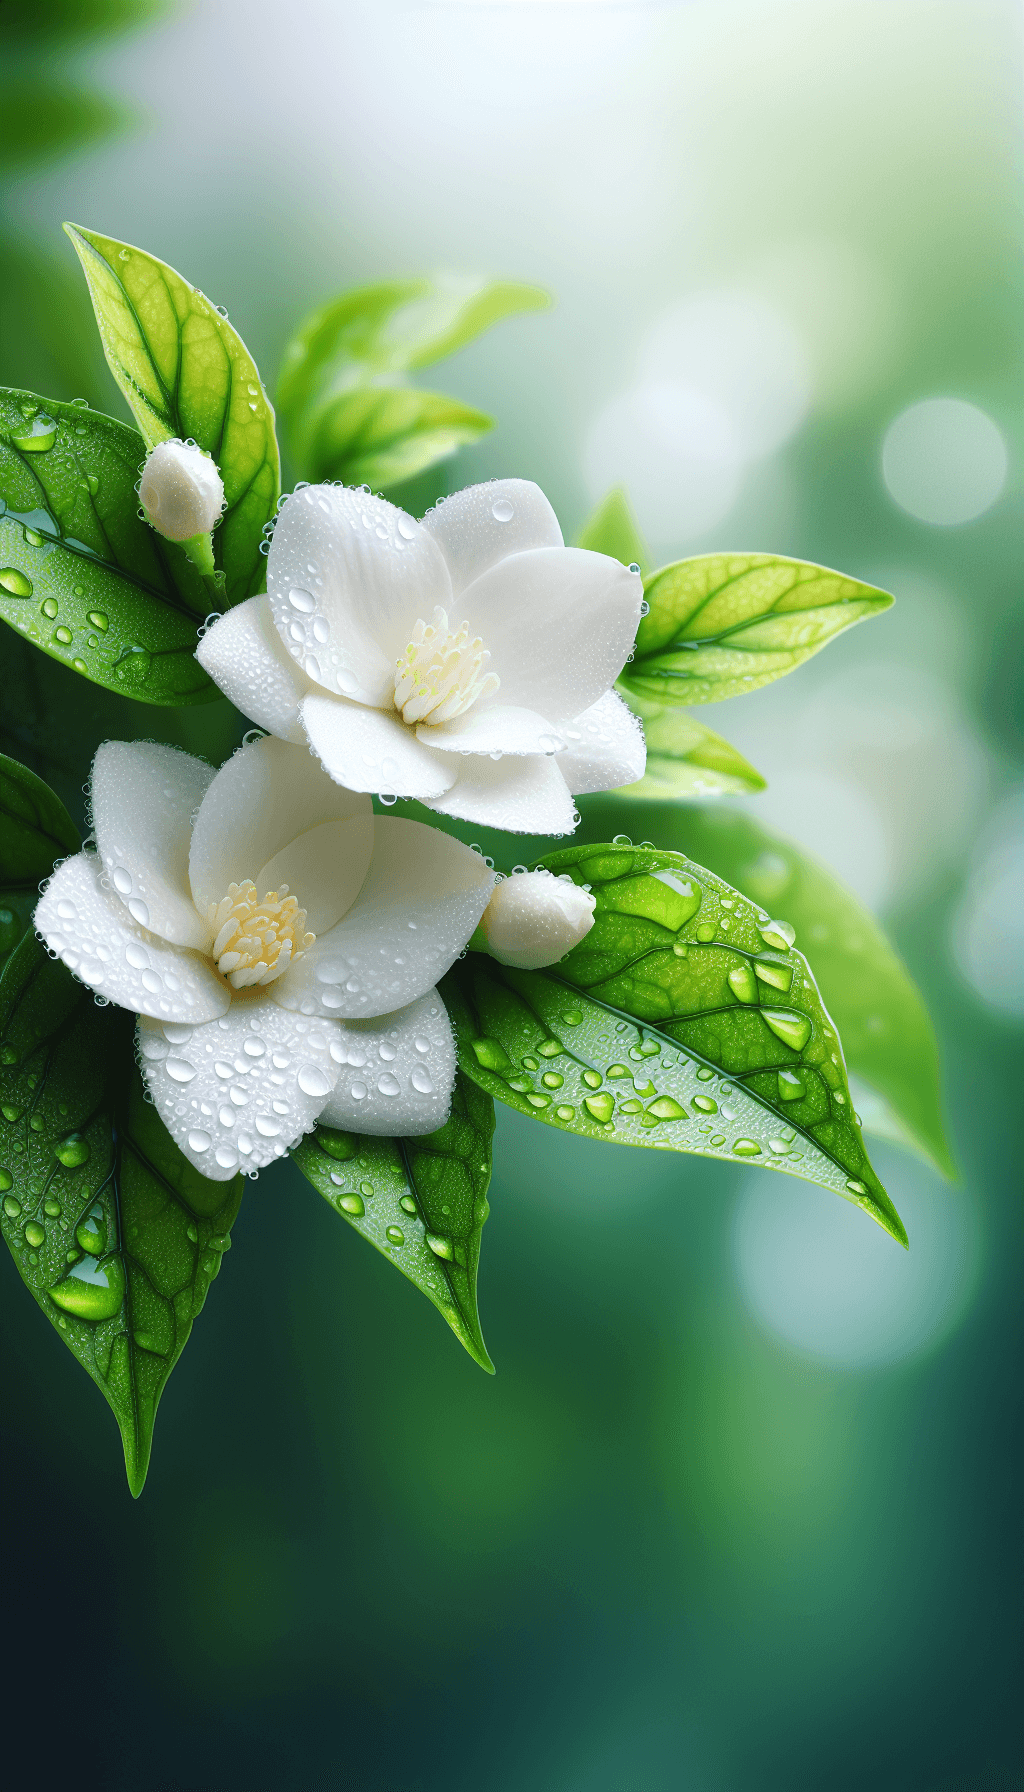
614	530
421	1201
115	1234
723	624
35	829
381	435
685	760
887	1036
682	1021
395	327
80	574
186	372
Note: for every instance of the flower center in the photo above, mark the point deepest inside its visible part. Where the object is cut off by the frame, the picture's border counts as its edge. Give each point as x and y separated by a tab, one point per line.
440	673
257	938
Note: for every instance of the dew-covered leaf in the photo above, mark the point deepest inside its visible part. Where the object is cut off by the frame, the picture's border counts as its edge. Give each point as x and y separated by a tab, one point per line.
421	1201
35	829
887	1036
722	624
381	435
685	760
186	373
614	530
81	575
115	1234
682	1021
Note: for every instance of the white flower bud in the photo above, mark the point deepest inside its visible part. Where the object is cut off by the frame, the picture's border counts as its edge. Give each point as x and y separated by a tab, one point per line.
534	919
182	492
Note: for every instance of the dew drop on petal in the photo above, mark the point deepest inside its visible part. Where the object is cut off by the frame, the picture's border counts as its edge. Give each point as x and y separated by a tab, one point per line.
421	1080
179	1070
199	1141
138	911
312	1081
122	880
302	600
502	510
136	955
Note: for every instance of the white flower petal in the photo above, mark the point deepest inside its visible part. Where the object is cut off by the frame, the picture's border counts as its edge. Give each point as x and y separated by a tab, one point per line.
143	798
559	624
494	728
421	901
396	1073
246	658
324	869
368	749
534	919
235	1093
93	933
525	795
478	527
605	748
348	576
260	801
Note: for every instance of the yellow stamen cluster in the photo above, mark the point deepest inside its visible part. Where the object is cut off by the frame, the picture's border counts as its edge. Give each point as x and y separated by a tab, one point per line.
257	938
440	673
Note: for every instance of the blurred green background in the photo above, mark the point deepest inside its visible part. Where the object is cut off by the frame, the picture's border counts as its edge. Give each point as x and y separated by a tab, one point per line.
740	1510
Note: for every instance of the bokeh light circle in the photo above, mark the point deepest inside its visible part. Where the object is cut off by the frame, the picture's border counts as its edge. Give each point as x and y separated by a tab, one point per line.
944	461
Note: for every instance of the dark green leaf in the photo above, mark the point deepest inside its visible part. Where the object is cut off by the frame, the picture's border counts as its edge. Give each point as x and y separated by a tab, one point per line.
380	435
112	1230
395	327
422	1202
684	759
41	119
723	624
35	829
887	1036
80	574
682	1020
187	373
614	530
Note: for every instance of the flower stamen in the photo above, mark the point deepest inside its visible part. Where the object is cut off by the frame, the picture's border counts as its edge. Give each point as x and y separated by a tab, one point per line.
441	673
257	938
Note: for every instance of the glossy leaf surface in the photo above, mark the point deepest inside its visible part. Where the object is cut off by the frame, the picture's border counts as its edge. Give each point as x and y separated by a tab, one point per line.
682	1021
422	1202
614	530
685	760
722	624
81	575
35	829
186	372
115	1234
381	435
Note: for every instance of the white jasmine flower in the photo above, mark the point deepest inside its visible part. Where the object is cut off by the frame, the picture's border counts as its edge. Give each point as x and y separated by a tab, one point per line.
466	661
534	919
181	490
278	943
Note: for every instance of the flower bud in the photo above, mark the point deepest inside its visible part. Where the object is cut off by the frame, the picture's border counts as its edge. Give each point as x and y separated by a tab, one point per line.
534	919
182	492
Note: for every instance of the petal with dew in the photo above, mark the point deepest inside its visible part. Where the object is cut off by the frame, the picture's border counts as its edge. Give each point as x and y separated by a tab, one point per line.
260	801
367	749
324	869
604	748
396	1073
143	797
559	624
494	728
483	524
524	795
421	902
348	577
91	930
247	660
235	1093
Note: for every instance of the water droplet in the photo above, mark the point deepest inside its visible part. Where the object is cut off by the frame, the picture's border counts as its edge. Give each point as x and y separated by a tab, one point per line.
352	1204
572	1017
39	438
48	607
855	1188
705	1104
179	1070
778	933
441	1247
388	1084
592	1078
793	1029
422	1080
492	1056
313	1082
98	618
552	1080
199	1141
92	1290
91	1233
747	1148
64	636
35	1234
303	601
407	1204
665	1108
395	1235
15	582
776	975
73	1151
600	1107
565	1113
12	1206
706	931
502	511
743	983
253	1048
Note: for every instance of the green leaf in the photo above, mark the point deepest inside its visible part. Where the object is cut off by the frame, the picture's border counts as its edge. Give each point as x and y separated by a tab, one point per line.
42	119
887	1036
422	1202
380	435
685	760
186	372
723	624
115	1234
614	530
394	327
35	829
682	1021
80	574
